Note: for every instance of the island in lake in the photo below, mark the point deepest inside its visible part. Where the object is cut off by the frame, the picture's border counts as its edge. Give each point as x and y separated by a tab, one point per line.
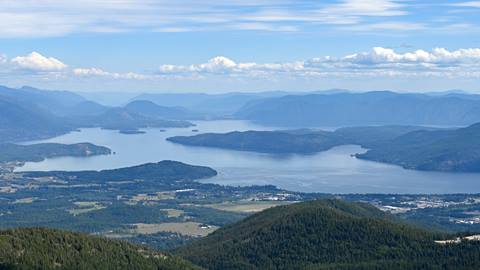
420	148
131	132
13	155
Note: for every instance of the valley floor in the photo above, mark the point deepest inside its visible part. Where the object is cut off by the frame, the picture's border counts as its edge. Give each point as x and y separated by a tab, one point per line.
168	213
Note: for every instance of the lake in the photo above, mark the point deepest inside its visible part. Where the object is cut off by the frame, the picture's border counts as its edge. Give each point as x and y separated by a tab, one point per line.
333	171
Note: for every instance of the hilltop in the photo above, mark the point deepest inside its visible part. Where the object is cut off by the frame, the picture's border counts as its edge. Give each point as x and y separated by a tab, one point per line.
327	234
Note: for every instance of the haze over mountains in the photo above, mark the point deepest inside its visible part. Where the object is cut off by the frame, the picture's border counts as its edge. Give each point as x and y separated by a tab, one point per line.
371	108
216	104
57	111
239	135
28	114
324	234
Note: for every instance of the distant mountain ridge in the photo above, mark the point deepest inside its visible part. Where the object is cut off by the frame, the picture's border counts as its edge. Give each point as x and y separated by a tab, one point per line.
124	119
30	114
210	104
56	102
24	120
358	109
151	109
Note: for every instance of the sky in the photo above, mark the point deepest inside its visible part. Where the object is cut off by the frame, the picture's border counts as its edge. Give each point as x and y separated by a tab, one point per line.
240	45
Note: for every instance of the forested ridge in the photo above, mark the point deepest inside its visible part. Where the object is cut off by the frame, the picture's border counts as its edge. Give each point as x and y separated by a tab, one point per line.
36	248
328	234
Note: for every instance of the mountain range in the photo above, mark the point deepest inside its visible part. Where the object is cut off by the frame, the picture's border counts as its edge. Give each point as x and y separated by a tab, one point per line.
28	114
359	109
214	105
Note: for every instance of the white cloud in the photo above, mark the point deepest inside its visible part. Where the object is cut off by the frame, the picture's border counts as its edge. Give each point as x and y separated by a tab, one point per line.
377	62
381	8
380	55
96	72
472	4
221	65
37	62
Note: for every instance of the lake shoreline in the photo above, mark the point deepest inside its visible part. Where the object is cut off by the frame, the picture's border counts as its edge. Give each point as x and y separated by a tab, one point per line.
333	171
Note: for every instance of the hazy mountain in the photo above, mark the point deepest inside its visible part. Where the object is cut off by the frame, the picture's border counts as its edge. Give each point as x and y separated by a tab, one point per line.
110	99
372	136
151	109
28	113
86	108
25	121
217	104
327	234
440	150
56	102
174	100
123	119
354	109
26	248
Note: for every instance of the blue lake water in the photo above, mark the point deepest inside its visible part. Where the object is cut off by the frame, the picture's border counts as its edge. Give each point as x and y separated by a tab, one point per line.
333	171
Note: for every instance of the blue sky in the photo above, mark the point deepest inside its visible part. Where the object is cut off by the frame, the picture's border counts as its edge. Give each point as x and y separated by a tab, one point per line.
192	46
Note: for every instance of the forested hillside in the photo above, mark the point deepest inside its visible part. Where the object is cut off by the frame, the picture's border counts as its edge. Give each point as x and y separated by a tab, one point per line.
53	249
455	150
328	234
